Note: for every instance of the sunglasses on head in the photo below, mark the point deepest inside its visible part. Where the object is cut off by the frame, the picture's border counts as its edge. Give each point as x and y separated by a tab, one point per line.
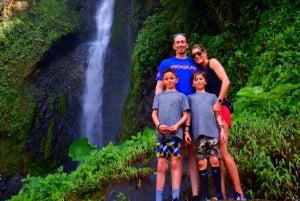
199	53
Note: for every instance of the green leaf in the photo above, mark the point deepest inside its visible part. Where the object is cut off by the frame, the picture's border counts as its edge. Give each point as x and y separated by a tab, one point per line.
281	89
250	91
81	149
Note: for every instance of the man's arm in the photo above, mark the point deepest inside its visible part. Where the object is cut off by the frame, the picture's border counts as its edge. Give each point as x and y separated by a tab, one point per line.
159	87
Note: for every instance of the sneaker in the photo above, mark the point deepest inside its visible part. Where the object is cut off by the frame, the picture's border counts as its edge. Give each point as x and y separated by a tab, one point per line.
238	196
214	199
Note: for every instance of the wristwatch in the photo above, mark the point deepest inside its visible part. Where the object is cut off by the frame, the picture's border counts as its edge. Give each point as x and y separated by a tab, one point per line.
220	100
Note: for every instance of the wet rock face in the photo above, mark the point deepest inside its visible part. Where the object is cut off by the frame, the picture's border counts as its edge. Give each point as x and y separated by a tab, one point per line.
59	81
10	185
57	89
57	85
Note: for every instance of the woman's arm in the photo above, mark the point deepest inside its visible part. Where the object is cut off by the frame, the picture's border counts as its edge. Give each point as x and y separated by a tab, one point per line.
217	67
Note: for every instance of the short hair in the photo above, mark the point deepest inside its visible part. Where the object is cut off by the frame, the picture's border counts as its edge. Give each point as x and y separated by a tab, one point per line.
180	34
169	70
198	72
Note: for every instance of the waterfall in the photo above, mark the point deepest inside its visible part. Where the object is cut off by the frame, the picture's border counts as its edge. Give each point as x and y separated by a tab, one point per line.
91	123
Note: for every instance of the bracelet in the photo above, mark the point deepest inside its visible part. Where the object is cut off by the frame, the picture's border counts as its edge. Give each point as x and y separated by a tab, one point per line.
186	133
221	126
158	126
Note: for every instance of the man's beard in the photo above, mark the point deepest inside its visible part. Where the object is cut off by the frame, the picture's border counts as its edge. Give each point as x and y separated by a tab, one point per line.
182	52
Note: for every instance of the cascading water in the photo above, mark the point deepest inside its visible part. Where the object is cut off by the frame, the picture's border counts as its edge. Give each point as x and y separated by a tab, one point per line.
91	124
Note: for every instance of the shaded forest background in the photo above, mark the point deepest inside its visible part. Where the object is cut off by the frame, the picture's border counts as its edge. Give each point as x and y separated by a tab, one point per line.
256	41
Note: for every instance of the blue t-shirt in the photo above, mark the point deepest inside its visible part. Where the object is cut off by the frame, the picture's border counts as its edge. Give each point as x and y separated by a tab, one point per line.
184	69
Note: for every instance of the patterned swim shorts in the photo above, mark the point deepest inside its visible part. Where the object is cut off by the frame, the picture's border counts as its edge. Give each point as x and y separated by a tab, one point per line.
207	146
166	147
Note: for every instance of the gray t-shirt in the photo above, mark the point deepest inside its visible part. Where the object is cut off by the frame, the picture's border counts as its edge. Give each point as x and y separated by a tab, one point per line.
170	106
202	115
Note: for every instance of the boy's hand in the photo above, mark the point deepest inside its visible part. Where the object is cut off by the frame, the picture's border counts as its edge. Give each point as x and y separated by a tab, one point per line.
187	138
217	108
223	137
173	128
164	129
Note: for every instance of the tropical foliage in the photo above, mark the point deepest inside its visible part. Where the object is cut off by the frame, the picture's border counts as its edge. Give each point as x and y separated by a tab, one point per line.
256	41
24	38
267	153
113	164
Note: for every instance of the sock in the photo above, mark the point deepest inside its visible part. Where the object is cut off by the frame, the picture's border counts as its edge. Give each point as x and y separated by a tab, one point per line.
159	195
175	193
204	183
217	180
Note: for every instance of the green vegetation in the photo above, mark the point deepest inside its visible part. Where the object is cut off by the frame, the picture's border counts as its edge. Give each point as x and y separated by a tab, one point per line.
81	149
24	38
256	41
113	164
258	44
267	152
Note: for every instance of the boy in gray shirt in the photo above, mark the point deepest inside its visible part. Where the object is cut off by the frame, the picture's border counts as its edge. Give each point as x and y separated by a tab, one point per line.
206	133
169	113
